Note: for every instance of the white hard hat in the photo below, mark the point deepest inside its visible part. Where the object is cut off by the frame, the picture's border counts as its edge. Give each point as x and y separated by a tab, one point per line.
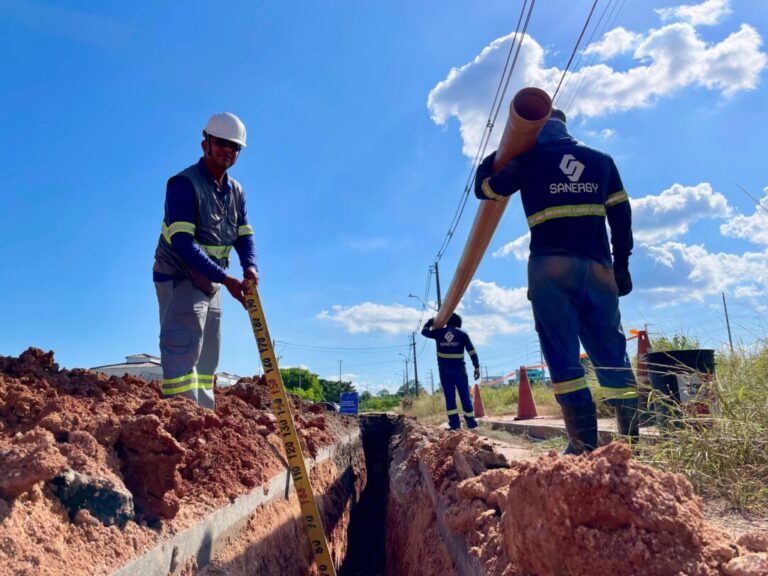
227	126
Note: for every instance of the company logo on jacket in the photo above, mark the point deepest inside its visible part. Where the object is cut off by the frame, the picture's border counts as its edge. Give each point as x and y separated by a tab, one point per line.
573	169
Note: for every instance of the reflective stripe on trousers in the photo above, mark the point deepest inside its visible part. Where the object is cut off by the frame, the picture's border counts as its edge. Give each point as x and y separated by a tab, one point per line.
576	300
189	340
453	379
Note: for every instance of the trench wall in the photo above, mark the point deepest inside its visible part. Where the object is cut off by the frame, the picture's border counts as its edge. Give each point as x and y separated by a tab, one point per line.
261	532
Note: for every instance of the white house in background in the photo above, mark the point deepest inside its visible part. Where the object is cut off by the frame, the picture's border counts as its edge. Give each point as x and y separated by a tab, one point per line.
148	367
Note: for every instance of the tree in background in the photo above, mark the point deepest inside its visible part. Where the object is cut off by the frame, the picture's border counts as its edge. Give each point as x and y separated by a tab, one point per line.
678	342
303	383
332	389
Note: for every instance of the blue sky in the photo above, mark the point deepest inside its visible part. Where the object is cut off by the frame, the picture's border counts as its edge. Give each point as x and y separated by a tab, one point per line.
363	119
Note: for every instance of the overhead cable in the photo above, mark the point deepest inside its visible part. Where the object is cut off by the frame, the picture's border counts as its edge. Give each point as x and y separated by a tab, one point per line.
495	107
575	47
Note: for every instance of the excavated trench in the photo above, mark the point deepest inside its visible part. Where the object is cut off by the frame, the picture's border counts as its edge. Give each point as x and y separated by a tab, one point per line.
100	476
367	535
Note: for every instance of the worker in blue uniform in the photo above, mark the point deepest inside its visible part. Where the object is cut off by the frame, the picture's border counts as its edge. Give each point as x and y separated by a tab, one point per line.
205	217
575	278
451	342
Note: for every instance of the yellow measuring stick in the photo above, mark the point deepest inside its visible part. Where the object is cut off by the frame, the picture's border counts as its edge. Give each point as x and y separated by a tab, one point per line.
313	524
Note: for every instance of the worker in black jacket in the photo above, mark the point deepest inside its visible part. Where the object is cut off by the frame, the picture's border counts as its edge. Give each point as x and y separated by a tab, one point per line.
451	342
568	191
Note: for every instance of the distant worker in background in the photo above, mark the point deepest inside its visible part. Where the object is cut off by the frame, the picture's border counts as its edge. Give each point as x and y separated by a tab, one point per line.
205	216
568	190
451	343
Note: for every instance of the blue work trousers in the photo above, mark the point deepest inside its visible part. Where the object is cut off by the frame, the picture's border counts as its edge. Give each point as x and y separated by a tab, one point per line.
453	378
576	300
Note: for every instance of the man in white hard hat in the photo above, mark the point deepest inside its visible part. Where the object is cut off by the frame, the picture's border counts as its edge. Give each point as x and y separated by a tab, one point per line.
205	217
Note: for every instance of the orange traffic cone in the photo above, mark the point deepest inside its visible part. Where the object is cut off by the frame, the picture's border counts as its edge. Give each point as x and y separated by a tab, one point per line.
526	407
478	402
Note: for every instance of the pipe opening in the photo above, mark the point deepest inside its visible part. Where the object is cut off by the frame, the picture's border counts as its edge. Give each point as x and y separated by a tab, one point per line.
532	104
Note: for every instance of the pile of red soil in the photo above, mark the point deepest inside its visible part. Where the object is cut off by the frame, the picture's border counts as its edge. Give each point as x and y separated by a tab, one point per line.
86	458
602	514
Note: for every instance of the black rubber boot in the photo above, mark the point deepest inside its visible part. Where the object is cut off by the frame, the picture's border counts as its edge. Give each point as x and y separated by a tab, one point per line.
628	421
581	425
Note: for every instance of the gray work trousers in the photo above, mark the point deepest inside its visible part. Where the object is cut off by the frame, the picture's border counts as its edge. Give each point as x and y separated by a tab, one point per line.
189	340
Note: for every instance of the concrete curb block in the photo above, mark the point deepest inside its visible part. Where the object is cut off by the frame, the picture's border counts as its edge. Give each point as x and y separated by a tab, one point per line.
541	431
205	538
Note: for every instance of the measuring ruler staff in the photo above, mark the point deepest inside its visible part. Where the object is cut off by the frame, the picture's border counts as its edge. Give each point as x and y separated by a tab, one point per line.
313	524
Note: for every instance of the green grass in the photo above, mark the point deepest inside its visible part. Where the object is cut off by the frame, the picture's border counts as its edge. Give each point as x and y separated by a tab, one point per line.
726	456
726	459
499	401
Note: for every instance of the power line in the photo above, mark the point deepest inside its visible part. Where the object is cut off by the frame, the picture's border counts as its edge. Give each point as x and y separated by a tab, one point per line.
575	47
610	5
610	21
498	98
503	82
362	349
755	200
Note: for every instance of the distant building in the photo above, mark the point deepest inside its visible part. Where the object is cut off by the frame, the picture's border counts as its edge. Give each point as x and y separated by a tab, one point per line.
148	367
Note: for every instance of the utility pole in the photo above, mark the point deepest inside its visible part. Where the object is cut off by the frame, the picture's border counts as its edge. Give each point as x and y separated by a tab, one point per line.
437	281
340	361
432	381
727	323
415	369
405	391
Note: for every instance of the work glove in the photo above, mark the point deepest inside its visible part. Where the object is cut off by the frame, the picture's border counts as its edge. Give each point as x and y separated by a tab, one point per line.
623	278
477	374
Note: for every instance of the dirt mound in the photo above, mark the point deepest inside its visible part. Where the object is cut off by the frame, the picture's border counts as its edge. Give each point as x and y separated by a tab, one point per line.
86	451
602	514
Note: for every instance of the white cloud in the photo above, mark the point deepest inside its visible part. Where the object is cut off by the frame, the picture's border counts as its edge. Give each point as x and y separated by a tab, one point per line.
518	248
667	60
706	13
466	93
669	214
684	273
485	309
481	328
753	228
488	297
489	309
617	41
604	134
371	317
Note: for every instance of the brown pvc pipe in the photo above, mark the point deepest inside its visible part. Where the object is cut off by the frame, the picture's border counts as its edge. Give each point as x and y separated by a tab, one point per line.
528	111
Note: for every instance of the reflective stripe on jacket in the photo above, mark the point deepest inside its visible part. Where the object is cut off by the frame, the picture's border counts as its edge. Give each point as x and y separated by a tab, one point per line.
568	191
451	344
215	228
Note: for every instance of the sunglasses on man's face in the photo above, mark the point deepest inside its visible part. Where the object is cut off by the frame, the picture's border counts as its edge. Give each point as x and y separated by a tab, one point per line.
221	143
